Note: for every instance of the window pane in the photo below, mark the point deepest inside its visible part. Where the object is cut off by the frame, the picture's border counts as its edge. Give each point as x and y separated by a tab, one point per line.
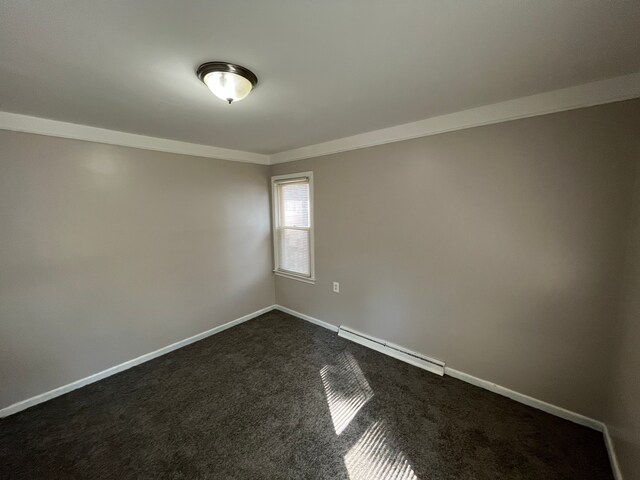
295	204
294	251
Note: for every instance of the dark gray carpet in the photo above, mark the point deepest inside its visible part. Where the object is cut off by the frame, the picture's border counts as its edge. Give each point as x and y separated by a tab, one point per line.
277	397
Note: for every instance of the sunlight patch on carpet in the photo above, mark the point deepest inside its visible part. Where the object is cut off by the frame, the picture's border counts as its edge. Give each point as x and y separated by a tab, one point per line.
375	457
346	388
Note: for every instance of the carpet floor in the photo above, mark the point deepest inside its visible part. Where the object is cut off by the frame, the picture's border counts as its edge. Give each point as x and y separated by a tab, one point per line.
280	398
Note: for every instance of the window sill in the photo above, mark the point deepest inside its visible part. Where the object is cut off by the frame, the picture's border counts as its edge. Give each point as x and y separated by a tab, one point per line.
311	281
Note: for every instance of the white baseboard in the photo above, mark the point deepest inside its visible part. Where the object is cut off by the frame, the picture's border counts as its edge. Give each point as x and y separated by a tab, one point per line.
43	397
363	341
613	459
518	397
527	400
328	326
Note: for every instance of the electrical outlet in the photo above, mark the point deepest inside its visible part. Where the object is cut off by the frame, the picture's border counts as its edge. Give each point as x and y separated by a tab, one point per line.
336	287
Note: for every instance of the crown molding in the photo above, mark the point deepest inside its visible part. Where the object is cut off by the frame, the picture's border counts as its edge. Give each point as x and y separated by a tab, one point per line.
54	128
586	95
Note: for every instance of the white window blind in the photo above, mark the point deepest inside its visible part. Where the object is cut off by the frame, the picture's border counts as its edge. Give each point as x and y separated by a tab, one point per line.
293	225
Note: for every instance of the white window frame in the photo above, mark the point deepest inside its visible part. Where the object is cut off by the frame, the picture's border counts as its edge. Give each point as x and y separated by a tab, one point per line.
275	208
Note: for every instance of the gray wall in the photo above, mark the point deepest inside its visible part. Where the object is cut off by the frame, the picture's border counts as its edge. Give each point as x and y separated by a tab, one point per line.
497	249
624	408
108	253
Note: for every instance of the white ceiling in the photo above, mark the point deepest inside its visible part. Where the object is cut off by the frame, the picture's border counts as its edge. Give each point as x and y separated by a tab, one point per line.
327	69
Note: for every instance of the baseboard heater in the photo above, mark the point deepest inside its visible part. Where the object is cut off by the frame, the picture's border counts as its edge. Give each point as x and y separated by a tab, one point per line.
416	359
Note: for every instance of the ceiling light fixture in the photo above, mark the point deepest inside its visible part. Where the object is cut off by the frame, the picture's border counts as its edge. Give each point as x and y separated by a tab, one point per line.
227	81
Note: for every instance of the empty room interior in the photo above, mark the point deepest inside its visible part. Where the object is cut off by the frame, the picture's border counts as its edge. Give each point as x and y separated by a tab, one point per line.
296	239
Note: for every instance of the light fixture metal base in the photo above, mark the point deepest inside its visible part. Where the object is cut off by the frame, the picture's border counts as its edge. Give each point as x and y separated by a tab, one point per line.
209	67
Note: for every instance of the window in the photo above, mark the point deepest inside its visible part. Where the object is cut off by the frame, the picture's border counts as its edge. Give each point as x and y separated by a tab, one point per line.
293	225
